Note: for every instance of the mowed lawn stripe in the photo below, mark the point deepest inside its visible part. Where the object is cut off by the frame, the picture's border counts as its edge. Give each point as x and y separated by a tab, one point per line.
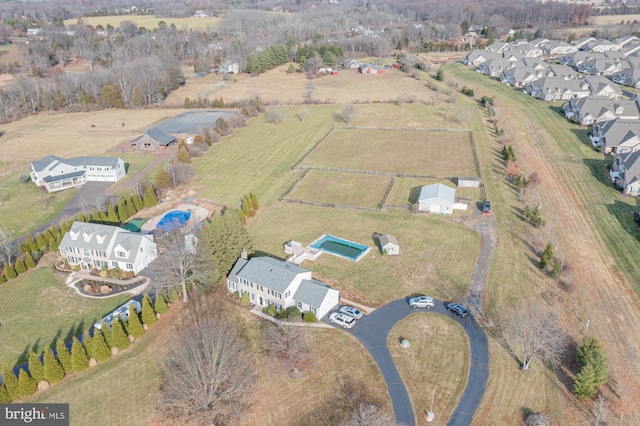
259	157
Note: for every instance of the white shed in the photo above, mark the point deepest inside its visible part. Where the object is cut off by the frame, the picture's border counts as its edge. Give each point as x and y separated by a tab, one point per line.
469	182
389	245
437	199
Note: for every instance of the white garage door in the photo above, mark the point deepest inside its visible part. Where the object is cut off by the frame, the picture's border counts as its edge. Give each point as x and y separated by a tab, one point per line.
434	208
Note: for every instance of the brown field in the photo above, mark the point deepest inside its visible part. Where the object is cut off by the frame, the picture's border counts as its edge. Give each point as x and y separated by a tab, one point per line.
278	86
341	188
69	135
148	22
396	151
436	360
613	19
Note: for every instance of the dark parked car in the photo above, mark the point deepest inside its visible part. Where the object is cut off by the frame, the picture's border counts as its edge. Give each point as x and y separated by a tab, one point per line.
457	309
486	207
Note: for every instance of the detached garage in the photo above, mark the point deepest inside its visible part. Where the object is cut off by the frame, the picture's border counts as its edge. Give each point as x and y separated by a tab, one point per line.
436	199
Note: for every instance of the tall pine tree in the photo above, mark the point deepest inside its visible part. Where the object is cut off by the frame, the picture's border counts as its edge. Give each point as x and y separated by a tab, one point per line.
26	384
64	357
112	216
150	198
53	372
159	305
120	339
101	351
79	358
134	326
87	342
148	316
123	214
10	382
108	336
29	262
4	395
36	369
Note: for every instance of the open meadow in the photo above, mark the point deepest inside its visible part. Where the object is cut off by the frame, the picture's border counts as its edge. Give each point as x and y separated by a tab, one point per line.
37	308
436	363
149	22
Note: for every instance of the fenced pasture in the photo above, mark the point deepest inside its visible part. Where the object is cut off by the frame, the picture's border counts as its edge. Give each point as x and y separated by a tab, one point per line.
428	153
360	190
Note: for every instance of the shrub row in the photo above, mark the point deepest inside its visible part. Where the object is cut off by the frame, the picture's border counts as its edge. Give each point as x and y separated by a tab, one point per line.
50	367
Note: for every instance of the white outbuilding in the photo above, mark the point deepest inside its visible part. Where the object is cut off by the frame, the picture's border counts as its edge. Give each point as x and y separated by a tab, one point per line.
437	199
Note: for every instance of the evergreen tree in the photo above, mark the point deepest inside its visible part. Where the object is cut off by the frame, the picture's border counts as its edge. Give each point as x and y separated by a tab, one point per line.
2	279
120	339
11	383
4	395
592	353
130	206
104	218
26	384
20	266
183	155
123	214
159	305
87	342
53	372
9	272
29	262
63	355
36	369
101	351
30	244
53	244
150	198
173	294
95	216
148	316
108	336
79	358
134	326
137	202
584	385
65	227
112	216
547	257
55	231
254	201
41	243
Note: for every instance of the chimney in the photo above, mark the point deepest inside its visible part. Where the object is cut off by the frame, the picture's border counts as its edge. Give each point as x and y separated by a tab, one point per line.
243	254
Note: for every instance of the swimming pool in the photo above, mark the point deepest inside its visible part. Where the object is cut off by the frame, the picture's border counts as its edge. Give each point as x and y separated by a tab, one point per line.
134	225
172	220
340	247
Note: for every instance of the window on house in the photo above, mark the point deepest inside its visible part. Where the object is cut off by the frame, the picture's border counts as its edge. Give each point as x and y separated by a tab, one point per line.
130	266
96	263
314	310
232	285
86	252
121	254
299	305
104	264
114	264
286	295
252	297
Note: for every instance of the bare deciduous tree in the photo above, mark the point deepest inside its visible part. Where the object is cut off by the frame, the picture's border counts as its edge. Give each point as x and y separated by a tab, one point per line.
537	419
599	409
289	344
275	115
346	113
535	331
181	264
45	198
6	246
369	415
209	373
302	114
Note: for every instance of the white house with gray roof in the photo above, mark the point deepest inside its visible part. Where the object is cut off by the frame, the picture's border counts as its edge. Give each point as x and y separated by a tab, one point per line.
55	173
269	281
92	245
437	198
616	136
595	109
625	172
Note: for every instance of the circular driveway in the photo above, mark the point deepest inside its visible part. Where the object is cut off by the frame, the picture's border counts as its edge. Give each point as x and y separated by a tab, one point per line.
373	330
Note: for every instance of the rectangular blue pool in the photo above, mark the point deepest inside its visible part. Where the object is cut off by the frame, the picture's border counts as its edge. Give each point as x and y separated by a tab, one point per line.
340	247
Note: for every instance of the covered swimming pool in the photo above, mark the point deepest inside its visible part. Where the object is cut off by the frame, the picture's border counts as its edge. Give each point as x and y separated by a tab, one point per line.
340	247
173	220
134	225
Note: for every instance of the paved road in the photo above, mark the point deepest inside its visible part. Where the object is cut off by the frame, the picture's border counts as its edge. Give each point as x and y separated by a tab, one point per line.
373	330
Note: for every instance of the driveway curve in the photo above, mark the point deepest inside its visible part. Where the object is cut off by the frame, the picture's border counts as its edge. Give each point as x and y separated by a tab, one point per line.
373	330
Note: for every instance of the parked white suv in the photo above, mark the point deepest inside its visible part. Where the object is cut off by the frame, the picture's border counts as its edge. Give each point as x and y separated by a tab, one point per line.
421	302
342	319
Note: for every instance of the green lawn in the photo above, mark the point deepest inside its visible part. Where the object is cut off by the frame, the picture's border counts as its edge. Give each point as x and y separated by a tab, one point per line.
438	256
437	360
37	308
349	189
21	204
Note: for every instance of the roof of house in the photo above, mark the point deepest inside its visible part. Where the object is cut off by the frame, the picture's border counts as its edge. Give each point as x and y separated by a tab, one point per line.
598	83
552	85
66	176
388	239
618	131
565	72
159	136
268	272
439	191
311	292
44	162
631	163
598	105
93	161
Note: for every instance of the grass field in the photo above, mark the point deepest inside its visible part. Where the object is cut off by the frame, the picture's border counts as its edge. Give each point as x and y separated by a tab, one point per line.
603	20
434	153
438	257
436	360
37	308
21	208
148	22
341	188
71	135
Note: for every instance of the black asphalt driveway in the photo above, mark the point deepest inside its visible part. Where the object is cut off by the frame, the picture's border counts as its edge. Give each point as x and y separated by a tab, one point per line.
373	330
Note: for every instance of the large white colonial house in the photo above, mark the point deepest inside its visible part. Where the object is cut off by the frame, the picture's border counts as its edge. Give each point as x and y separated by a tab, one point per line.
55	173
93	245
274	282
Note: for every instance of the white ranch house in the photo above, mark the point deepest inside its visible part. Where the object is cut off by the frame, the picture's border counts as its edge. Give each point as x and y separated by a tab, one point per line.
270	282
55	173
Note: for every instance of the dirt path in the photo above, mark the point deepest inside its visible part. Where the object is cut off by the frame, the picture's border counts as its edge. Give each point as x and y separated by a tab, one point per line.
602	296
